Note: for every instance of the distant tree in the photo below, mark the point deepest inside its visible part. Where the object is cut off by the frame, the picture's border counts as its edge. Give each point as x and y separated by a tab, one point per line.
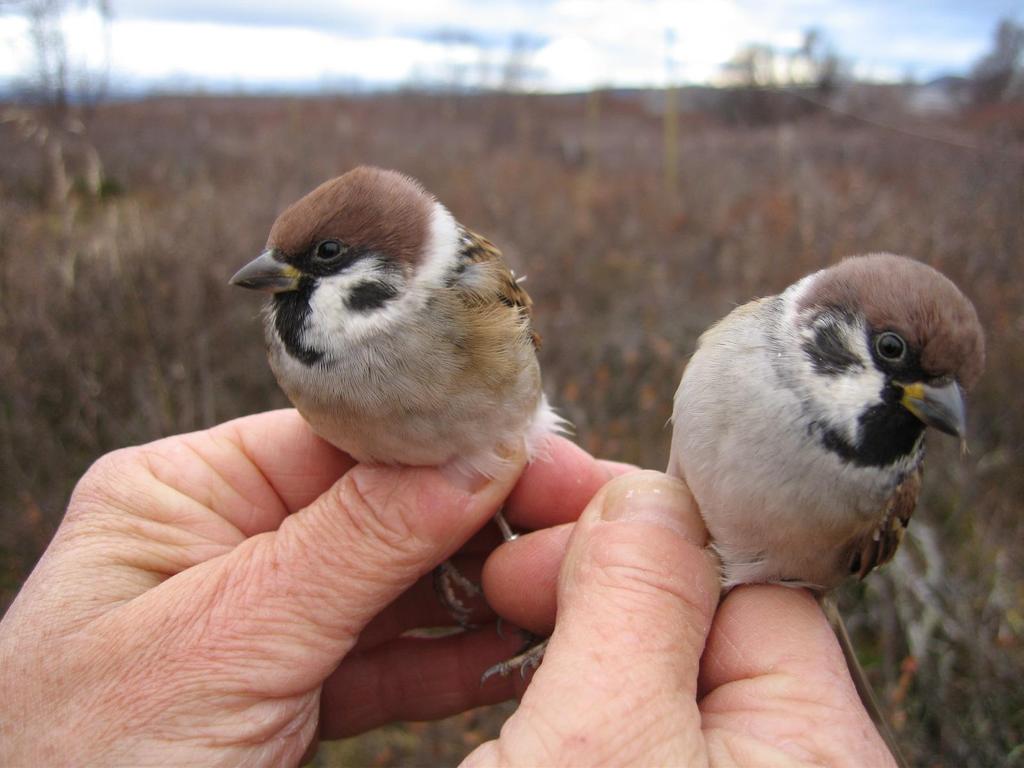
816	63
999	74
758	65
753	66
56	81
516	72
63	94
456	43
768	86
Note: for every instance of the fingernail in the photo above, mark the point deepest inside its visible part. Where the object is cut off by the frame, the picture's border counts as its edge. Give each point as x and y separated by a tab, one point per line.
653	497
464	478
467	477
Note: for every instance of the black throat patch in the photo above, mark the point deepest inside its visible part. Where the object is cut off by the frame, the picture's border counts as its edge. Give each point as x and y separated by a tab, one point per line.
888	433
291	309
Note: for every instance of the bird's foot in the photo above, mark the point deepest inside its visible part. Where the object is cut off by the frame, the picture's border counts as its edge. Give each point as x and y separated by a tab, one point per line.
528	658
448	580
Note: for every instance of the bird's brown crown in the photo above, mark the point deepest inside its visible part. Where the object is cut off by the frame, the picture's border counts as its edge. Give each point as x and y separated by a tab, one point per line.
894	293
366	208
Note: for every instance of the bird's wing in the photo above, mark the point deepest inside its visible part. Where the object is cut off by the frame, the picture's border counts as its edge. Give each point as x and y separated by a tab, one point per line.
879	547
482	271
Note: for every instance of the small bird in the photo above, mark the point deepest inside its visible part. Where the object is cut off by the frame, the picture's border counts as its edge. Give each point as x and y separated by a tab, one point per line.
799	421
400	335
799	424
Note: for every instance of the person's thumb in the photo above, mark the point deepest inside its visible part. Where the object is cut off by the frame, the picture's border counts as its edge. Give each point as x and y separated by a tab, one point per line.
636	596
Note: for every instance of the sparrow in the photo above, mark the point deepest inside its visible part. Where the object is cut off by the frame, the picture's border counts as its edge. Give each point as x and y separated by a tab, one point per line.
400	335
799	422
799	425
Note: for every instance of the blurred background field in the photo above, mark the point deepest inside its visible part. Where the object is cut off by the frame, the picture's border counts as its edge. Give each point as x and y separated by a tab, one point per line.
639	215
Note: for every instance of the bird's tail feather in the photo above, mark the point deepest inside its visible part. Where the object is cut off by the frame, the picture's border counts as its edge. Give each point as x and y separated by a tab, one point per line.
860	680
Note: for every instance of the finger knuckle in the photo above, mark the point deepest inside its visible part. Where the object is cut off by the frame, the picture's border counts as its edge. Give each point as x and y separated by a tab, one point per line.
103	473
373	508
99	488
646	574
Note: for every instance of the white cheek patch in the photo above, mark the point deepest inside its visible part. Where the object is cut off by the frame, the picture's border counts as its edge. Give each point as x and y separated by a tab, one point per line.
439	253
840	398
334	328
331	322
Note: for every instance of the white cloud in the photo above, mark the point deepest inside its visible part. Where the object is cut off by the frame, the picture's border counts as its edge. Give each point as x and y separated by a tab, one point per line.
582	42
575	60
153	50
352	17
15	49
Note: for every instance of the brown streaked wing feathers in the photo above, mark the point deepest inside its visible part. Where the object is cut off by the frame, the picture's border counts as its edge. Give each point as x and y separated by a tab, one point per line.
479	250
870	552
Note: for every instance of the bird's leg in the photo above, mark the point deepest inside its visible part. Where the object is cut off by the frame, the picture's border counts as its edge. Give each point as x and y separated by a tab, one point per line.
448	580
506	530
446	575
532	651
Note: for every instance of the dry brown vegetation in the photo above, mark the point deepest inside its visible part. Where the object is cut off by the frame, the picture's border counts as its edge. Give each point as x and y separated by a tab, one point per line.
119	326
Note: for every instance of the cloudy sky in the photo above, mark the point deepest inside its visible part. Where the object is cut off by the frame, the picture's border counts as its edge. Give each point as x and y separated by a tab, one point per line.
254	44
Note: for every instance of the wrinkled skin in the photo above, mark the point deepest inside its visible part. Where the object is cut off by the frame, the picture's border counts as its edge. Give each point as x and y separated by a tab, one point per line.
223	597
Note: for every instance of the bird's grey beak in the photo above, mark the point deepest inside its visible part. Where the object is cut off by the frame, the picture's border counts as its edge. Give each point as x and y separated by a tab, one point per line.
267	273
939	407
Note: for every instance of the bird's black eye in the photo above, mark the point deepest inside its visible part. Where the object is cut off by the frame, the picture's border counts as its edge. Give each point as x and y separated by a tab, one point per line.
329	250
890	346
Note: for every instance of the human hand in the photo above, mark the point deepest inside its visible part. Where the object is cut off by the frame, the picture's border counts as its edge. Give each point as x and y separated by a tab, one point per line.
224	597
641	669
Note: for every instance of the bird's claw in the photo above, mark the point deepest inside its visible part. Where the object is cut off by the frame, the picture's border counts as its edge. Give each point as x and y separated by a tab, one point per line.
527	659
446	579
